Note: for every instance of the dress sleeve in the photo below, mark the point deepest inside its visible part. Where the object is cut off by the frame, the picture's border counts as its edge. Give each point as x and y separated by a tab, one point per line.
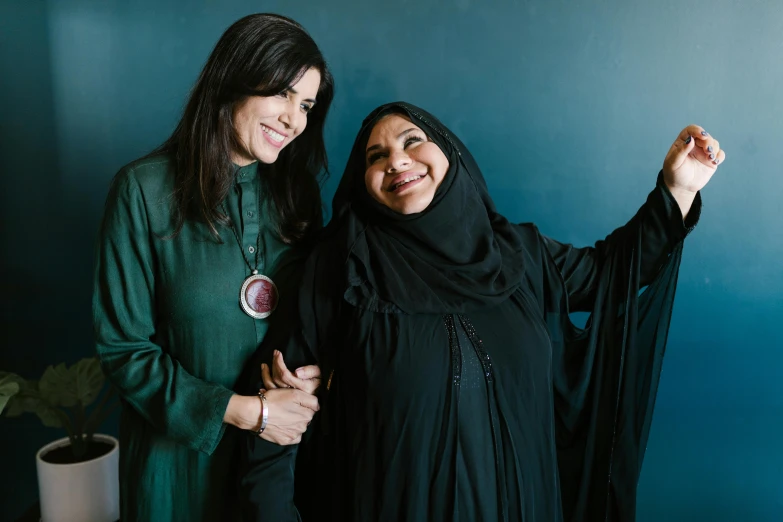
183	407
659	225
606	374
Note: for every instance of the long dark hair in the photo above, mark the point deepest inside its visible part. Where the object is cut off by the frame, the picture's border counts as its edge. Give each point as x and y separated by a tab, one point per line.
259	55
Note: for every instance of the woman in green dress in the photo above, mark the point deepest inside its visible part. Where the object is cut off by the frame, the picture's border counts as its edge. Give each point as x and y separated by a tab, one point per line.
194	253
458	389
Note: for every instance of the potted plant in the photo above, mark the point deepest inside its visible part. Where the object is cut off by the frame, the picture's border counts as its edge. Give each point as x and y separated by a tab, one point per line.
78	475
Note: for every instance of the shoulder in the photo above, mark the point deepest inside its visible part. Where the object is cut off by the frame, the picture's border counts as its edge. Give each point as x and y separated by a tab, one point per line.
148	182
325	266
141	191
330	245
528	232
150	176
532	241
323	261
537	260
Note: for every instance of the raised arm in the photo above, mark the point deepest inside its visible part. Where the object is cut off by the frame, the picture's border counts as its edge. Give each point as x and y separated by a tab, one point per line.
672	209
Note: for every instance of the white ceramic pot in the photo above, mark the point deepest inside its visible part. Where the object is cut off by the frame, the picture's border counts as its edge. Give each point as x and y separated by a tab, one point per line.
82	492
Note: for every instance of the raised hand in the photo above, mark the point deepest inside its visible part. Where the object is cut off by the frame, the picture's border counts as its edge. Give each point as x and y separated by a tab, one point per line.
690	163
692	159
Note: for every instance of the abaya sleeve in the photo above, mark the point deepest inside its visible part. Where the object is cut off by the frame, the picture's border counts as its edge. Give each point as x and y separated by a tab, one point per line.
267	469
606	375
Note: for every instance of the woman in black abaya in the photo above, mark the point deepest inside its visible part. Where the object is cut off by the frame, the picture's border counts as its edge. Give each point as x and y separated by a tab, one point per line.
456	387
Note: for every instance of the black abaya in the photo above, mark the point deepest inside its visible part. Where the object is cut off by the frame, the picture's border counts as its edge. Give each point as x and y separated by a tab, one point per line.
556	426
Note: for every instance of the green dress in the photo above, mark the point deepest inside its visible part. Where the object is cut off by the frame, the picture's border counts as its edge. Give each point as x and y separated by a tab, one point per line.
173	339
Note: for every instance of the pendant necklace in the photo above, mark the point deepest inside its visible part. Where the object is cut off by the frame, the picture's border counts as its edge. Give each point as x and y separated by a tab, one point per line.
258	296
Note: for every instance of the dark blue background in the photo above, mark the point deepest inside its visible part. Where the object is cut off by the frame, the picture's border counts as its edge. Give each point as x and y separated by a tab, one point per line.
569	107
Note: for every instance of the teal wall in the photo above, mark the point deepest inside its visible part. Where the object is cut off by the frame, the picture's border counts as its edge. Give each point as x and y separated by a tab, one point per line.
569	107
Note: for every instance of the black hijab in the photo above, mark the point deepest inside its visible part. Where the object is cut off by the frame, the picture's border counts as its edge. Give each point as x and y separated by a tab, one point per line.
457	255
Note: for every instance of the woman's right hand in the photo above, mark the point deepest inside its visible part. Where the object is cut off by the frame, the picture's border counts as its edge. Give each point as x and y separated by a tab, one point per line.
291	398
290	412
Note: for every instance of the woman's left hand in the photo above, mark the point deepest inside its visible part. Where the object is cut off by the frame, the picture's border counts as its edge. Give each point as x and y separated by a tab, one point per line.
306	379
690	163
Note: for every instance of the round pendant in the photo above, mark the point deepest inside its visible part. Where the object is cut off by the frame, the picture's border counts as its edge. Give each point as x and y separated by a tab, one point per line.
258	296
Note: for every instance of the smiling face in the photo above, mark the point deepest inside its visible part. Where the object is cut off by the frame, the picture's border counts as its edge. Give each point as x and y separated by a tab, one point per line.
264	125
404	168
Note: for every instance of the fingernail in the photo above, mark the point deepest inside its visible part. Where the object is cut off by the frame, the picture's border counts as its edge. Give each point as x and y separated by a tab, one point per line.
709	148
704	133
688	140
716	162
263	366
299	373
712	156
276	353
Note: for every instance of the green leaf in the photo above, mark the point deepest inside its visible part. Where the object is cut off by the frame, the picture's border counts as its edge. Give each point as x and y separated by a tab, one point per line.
25	399
89	380
68	387
6	378
9	377
20	404
58	386
50	417
8	388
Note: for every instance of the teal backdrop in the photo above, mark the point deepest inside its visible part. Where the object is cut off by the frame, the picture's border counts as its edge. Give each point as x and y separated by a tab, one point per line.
568	106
